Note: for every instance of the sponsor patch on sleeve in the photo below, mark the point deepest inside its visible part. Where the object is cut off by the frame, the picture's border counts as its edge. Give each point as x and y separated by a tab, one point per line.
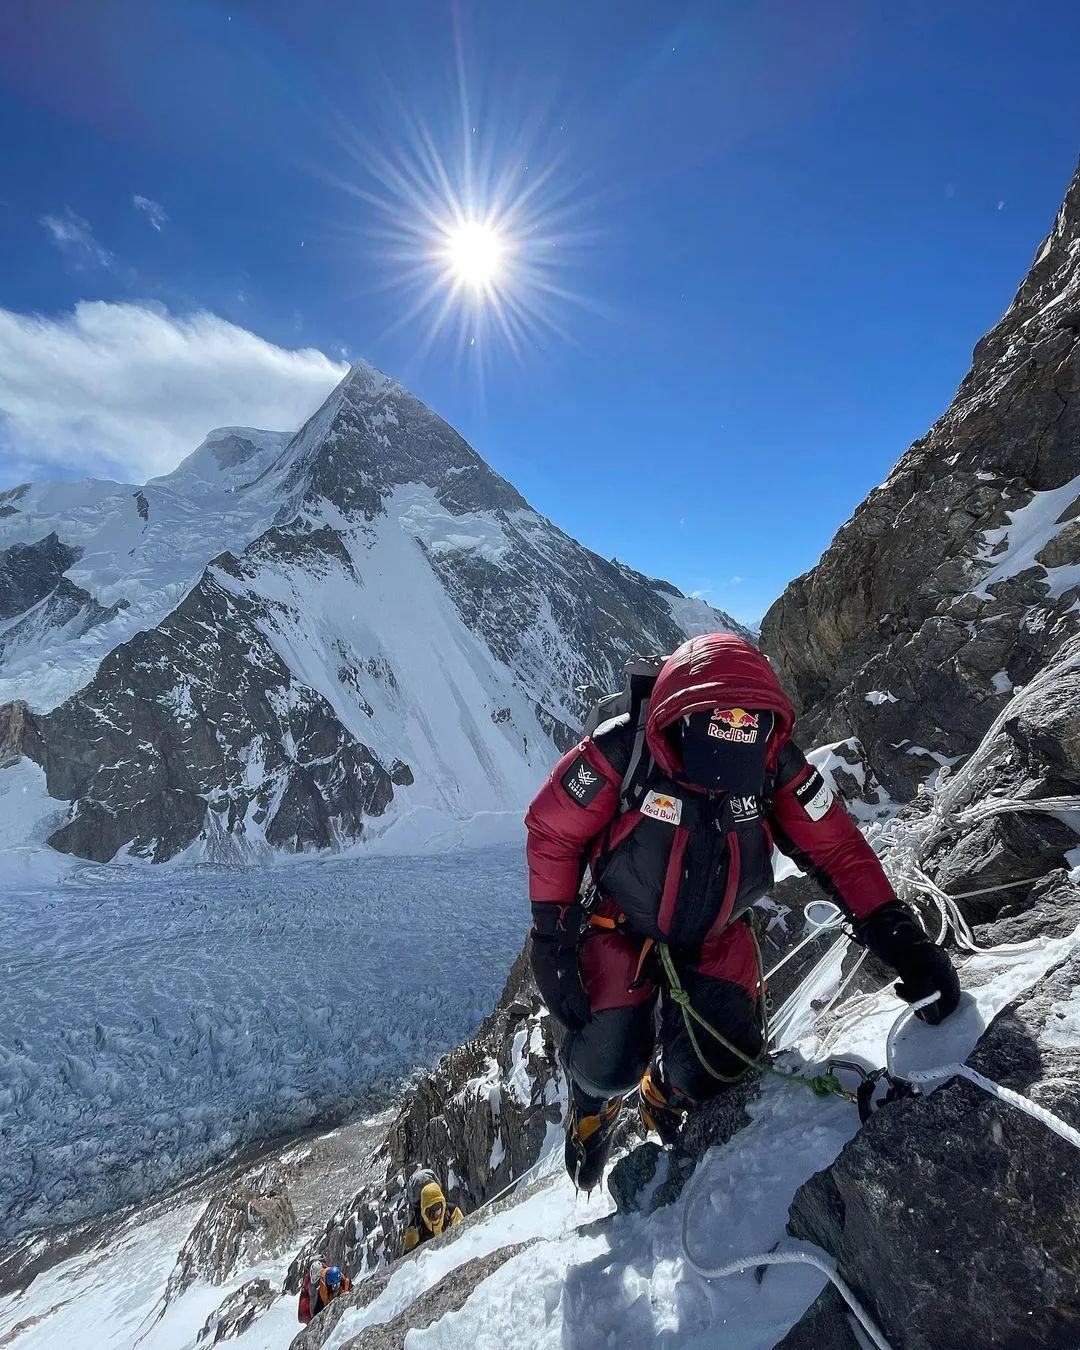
581	781
814	795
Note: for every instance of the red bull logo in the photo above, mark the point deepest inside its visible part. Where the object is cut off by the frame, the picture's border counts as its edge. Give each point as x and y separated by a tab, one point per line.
734	724
662	807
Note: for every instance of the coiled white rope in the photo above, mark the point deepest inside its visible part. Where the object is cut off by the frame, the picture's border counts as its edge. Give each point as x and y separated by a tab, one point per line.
833	919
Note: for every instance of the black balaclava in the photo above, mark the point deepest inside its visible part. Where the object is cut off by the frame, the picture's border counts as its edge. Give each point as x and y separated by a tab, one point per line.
724	749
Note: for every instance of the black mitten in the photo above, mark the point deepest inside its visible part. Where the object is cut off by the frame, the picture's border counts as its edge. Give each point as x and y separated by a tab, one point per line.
894	936
555	936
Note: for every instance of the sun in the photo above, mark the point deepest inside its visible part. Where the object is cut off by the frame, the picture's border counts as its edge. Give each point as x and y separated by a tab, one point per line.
475	254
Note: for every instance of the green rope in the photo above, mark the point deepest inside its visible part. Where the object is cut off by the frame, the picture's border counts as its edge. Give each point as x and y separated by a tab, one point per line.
821	1085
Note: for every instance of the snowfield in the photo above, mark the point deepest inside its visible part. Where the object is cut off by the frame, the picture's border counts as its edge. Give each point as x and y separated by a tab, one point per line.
154	1021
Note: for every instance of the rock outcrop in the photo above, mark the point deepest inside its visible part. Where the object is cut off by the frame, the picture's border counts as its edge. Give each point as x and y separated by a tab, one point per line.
250	1218
28	572
481	1117
237	1313
941	628
957	1218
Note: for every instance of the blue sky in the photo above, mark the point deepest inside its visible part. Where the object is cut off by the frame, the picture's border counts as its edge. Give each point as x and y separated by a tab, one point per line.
776	231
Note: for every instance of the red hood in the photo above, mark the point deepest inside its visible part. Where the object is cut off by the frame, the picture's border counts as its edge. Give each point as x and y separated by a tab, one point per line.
716	670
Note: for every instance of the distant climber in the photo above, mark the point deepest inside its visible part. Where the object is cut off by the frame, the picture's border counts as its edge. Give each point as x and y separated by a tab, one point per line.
322	1284
674	806
430	1212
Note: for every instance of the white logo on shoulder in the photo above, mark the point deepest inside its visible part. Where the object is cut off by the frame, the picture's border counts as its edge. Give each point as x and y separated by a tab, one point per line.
820	802
660	806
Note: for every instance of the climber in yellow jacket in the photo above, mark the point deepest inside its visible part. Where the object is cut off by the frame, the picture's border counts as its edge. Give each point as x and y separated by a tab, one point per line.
431	1216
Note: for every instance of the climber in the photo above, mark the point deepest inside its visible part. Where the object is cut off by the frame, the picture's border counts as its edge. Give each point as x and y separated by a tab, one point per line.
322	1284
676	826
431	1214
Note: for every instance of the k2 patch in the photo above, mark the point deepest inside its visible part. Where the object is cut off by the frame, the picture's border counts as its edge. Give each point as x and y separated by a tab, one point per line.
581	781
744	808
814	795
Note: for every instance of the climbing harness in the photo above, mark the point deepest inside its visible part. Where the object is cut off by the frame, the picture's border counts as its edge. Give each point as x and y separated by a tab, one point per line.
821	1085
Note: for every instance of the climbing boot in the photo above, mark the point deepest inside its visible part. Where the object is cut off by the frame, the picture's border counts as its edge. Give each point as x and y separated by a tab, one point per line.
662	1108
589	1135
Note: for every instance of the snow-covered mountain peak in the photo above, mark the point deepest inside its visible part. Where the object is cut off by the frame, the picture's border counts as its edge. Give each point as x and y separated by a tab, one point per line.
384	631
371	436
229	458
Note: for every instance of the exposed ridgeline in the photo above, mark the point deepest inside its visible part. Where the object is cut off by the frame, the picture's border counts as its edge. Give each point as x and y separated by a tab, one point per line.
954	580
402	634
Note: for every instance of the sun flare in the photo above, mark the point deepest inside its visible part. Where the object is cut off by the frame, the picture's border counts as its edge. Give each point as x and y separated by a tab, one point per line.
476	255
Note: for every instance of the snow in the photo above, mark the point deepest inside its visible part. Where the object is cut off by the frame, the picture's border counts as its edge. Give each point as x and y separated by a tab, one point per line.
441	532
27	816
695	616
879	696
154	1020
1029	529
1002	683
199	510
1062	1030
629	1279
552	1211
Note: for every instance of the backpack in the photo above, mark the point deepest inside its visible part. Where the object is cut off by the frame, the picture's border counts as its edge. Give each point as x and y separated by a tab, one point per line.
304	1310
633	698
422	1177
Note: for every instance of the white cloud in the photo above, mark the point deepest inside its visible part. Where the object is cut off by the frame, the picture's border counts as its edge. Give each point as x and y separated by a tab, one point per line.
153	211
75	239
127	390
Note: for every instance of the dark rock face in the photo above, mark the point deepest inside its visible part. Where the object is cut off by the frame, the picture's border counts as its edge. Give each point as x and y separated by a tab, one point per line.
237	1312
957	1216
907	600
67	606
826	1325
404	441
251	1218
28	572
234	733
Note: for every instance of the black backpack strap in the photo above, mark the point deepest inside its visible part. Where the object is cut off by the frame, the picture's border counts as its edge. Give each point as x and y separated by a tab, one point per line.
637	770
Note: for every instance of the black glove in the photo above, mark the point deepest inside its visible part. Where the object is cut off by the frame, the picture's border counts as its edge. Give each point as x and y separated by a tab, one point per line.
893	934
555	935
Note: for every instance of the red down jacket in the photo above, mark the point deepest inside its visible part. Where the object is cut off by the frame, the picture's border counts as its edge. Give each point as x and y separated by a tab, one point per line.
681	873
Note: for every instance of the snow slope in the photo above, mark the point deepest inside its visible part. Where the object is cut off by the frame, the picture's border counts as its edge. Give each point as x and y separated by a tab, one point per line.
588	1275
143	547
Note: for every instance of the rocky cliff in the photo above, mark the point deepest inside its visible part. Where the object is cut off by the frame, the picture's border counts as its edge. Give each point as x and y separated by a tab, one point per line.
956	579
